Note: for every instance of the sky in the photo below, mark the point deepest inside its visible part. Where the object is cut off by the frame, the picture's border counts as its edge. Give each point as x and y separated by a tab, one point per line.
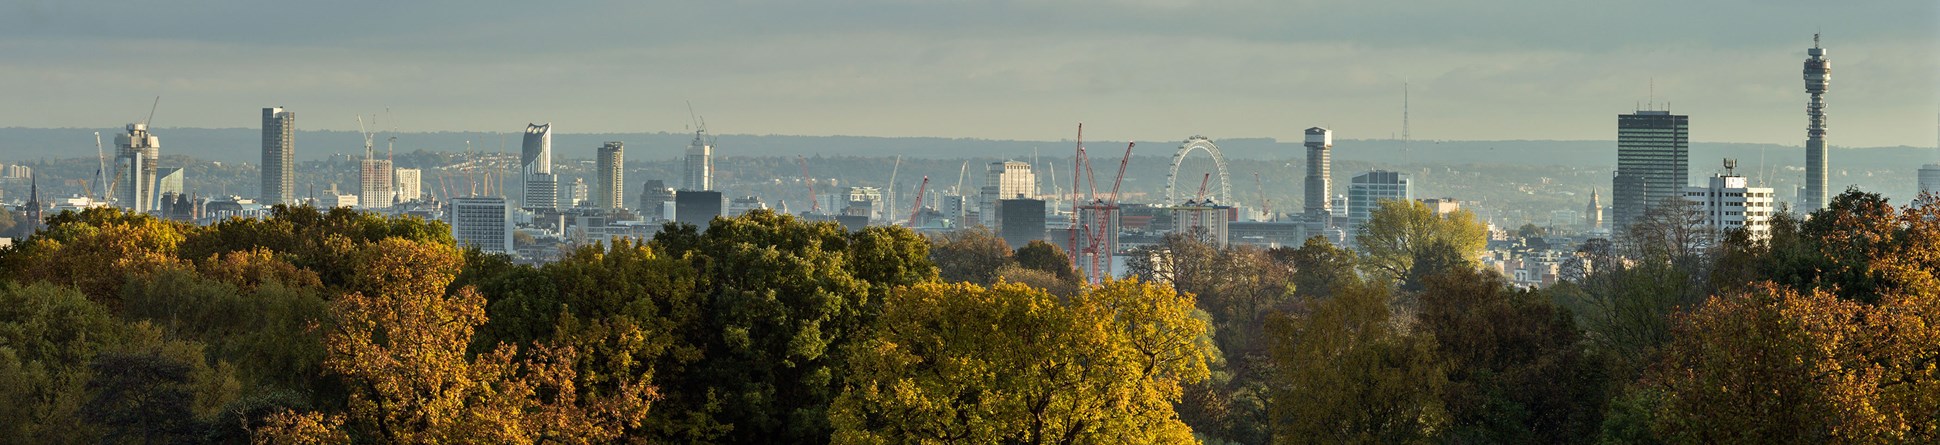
993	69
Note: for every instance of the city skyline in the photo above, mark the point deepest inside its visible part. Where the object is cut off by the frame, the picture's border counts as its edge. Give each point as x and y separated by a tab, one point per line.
1144	70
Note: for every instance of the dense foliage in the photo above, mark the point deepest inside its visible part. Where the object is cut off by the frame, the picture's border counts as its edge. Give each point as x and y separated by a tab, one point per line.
345	327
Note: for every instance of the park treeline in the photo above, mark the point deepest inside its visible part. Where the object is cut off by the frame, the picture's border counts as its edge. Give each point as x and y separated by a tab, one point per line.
336	326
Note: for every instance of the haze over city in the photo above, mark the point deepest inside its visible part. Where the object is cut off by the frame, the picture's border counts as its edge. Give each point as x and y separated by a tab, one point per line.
1147	70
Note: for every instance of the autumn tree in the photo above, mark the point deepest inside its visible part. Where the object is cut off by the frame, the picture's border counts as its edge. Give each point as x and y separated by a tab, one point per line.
1399	233
96	250
1011	364
400	343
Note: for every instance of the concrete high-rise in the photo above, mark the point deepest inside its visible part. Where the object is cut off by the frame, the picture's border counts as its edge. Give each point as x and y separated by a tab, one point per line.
1366	191
541	190
279	157
654	196
375	183
612	168
698	170
484	222
137	153
1004	180
1818	76
1729	202
410	184
1653	163
1320	167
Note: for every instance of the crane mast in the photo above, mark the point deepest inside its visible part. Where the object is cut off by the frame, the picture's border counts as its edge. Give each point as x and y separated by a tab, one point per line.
814	205
918	208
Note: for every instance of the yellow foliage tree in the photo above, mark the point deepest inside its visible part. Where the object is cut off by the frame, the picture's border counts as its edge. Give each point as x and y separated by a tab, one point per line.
399	344
967	364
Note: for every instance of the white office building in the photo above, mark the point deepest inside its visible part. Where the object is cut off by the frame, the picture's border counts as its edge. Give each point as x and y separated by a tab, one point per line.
410	184
1004	180
1729	202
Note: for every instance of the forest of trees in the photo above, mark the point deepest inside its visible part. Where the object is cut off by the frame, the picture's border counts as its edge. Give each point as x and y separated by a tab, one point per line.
346	327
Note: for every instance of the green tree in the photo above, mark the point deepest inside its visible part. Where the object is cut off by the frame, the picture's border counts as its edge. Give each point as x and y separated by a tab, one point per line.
1321	266
1519	371
1350	373
1011	364
96	250
972	255
1399	232
48	336
781	297
1040	255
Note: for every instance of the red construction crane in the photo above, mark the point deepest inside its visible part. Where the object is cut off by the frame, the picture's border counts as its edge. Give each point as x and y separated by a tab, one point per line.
1078	164
1100	235
918	208
1202	186
1121	172
814	205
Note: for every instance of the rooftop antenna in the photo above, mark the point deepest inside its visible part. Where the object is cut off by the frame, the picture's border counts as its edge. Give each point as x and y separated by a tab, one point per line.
1653	94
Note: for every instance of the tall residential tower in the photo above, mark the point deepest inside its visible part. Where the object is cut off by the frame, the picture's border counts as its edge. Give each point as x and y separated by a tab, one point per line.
1320	167
699	168
279	157
612	167
1818	75
136	157
541	189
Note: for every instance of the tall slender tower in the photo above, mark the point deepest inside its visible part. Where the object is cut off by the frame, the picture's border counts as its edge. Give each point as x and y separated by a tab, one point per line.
136	156
1320	167
1593	216
699	168
1818	76
279	157
612	167
541	189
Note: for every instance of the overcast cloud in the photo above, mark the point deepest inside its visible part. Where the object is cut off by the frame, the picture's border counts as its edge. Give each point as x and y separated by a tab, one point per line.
1129	69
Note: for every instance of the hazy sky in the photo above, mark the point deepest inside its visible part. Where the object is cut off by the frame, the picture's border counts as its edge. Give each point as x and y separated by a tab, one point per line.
1129	69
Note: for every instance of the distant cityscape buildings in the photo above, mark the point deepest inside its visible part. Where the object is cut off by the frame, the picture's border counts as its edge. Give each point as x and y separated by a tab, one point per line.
279	157
1653	162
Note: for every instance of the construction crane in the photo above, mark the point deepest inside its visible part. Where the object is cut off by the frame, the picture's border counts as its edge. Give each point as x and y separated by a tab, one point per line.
1101	241
918	208
1078	163
814	205
1202	186
890	195
1266	207
100	171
